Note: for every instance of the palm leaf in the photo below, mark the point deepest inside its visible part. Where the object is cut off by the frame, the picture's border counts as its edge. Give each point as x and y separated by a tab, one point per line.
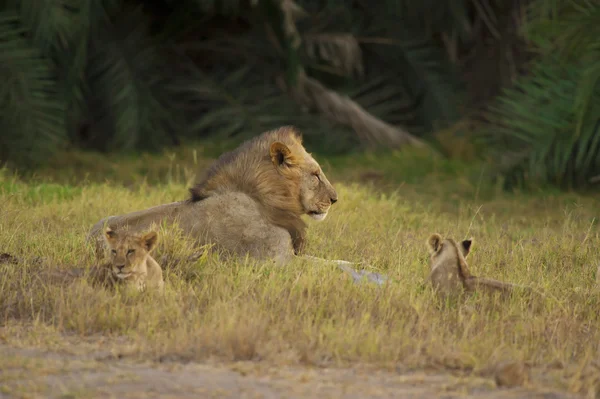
569	29
425	74
567	26
387	100
31	113
52	23
128	78
536	117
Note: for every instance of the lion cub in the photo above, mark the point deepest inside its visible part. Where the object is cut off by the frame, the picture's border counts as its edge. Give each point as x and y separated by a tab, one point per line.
450	273
130	260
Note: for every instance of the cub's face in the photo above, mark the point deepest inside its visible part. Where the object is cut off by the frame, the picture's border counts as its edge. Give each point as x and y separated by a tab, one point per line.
128	252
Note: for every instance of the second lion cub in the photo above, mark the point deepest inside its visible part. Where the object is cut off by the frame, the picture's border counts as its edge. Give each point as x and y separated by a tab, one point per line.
450	273
130	260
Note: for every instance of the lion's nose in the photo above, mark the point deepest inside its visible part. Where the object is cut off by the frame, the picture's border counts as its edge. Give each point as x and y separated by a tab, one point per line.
120	267
333	200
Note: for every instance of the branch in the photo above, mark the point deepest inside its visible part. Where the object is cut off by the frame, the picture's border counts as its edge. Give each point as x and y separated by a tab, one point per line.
343	110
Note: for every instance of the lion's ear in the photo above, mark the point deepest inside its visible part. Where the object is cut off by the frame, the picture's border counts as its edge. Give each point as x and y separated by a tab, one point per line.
110	234
465	246
149	240
434	243
281	154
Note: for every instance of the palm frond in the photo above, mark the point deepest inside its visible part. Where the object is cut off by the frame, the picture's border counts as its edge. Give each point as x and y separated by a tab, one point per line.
128	79
52	24
424	72
388	101
31	113
570	30
568	27
536	119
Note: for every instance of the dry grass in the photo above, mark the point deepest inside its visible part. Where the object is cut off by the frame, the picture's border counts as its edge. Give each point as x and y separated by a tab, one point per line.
307	314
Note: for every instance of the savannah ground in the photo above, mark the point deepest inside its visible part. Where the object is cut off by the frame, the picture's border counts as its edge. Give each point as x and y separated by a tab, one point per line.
244	329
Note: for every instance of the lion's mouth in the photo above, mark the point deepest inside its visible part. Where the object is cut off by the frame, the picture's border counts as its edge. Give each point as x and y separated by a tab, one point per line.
317	215
122	275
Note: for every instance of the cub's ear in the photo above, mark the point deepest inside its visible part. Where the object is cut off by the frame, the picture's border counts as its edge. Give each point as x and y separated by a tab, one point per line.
465	246
281	154
434	242
110	234
149	240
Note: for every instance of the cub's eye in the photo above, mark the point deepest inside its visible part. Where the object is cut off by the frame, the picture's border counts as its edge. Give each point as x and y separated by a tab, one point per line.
129	252
114	251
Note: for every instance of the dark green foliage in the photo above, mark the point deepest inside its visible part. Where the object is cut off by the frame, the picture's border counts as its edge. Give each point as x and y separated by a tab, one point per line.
245	100
124	74
535	128
547	127
112	74
408	77
32	117
128	76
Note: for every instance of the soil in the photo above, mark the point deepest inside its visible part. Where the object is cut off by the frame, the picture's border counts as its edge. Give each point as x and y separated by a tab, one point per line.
38	373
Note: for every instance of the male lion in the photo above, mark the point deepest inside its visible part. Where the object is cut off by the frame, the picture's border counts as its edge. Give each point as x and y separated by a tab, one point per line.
130	261
450	273
250	201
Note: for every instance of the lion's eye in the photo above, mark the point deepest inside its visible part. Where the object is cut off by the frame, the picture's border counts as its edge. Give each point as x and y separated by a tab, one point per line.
317	176
130	251
114	251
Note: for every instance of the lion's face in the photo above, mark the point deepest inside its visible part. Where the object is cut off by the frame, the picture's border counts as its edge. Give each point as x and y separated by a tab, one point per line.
128	252
315	192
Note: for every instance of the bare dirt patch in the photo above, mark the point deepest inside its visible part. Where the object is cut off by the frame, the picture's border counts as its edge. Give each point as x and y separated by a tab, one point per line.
32	373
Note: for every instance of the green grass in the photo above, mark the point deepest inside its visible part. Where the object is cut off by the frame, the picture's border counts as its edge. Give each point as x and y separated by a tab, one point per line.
313	314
